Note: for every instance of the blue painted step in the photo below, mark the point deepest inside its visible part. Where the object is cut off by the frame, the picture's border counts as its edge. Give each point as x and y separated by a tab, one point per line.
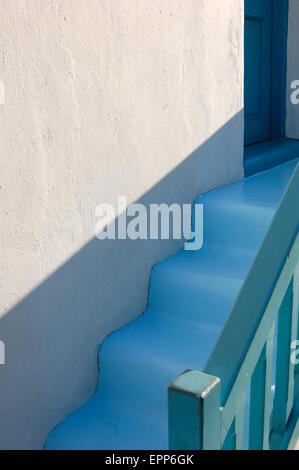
191	295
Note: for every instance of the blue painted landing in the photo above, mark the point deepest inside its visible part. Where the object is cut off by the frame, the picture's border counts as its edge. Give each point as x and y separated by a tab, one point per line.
191	295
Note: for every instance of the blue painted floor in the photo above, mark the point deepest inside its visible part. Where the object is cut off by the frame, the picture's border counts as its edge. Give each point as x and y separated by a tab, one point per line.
191	295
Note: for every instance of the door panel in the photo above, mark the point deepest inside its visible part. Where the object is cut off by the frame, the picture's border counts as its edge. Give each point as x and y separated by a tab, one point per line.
258	63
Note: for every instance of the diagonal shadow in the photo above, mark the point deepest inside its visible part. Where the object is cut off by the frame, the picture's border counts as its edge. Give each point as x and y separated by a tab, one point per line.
52	336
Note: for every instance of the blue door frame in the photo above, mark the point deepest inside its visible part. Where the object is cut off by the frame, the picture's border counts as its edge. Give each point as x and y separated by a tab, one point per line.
258	70
279	67
273	148
265	52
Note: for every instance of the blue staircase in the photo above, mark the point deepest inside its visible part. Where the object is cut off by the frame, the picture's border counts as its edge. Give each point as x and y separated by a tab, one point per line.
191	296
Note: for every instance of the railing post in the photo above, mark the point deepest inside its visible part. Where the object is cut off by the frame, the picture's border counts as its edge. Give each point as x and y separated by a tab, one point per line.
233	439
260	398
239	422
284	383
194	412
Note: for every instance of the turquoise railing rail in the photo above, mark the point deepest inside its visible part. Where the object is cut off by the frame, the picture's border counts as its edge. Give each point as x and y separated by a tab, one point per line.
206	409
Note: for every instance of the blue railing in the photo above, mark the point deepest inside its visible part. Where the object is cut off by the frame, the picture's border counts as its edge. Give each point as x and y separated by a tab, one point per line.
206	409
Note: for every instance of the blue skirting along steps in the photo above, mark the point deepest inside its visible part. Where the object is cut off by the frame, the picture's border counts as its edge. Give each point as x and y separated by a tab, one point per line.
191	296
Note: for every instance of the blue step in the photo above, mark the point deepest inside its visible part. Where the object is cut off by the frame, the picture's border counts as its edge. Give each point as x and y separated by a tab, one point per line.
191	296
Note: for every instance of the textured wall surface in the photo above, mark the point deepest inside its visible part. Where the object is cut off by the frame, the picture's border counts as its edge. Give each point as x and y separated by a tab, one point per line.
292	119
103	98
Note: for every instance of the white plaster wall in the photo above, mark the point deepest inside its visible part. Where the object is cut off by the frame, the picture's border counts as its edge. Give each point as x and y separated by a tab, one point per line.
103	98
292	118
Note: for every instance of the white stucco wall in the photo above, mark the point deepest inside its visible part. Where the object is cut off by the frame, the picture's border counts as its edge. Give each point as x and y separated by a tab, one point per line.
292	110
102	98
